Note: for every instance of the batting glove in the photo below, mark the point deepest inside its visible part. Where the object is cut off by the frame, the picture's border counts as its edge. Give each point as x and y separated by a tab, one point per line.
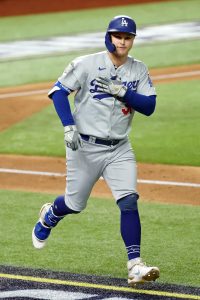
72	137
113	87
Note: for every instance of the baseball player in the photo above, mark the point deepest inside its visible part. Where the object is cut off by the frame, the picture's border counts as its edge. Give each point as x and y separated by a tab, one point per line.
110	87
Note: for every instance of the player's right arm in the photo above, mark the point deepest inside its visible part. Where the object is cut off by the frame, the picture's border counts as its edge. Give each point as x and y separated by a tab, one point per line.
59	94
67	83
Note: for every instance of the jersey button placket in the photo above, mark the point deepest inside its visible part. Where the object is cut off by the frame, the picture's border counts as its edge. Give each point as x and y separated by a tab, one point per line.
112	114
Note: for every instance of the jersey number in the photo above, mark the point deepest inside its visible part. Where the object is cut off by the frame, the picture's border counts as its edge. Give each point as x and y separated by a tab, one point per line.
127	110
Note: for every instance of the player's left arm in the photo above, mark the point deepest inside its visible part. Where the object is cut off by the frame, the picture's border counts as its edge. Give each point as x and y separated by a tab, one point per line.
140	103
143	100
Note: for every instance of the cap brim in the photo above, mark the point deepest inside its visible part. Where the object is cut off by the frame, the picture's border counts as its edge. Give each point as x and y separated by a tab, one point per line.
120	30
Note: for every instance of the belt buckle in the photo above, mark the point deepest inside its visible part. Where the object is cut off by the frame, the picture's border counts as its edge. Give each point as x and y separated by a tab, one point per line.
92	139
112	142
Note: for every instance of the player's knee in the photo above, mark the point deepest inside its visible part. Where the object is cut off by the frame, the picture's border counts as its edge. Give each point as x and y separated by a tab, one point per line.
128	202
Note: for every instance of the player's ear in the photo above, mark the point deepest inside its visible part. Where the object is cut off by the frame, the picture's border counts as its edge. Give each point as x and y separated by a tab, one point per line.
109	45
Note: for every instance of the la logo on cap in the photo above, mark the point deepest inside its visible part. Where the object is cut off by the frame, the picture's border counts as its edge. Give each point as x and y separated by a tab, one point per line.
124	22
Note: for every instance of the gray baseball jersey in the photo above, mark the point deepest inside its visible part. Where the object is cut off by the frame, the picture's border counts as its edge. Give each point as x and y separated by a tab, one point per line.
99	114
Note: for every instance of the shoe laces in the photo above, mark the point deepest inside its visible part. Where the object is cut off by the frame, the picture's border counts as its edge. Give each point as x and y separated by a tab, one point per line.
137	262
140	263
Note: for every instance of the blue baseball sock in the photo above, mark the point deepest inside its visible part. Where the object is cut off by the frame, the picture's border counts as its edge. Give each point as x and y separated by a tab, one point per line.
131	232
60	208
57	212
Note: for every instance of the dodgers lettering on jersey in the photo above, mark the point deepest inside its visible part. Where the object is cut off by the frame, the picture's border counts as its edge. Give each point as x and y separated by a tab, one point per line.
100	114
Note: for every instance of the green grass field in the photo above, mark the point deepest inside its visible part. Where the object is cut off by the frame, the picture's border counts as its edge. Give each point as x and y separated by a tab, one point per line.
96	242
171	135
44	25
40	69
44	69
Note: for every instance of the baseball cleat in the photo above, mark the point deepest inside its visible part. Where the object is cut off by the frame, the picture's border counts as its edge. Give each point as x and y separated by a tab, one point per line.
138	272
41	231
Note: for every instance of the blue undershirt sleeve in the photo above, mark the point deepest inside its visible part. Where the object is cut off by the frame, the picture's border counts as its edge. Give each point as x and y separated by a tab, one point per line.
141	103
62	106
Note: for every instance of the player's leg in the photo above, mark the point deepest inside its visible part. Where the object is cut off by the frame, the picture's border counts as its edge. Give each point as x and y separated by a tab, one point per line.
138	272
49	216
121	176
82	173
130	224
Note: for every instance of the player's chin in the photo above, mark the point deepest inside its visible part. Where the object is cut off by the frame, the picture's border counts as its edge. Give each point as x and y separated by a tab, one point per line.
122	51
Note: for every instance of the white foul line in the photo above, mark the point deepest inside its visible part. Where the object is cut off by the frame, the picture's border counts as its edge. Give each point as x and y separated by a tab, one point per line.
176	75
143	181
21	94
161	182
29	172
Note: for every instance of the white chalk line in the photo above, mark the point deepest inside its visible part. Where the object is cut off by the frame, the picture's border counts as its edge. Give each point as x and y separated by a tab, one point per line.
142	181
21	94
155	77
176	75
29	172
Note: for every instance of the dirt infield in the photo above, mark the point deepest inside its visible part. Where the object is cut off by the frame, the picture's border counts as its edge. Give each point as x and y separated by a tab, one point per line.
56	184
14	109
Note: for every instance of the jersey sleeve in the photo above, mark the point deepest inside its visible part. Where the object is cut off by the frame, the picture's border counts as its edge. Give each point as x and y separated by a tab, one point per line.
145	86
73	76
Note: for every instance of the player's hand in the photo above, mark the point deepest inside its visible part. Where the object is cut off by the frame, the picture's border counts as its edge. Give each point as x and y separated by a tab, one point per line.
72	137
113	87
